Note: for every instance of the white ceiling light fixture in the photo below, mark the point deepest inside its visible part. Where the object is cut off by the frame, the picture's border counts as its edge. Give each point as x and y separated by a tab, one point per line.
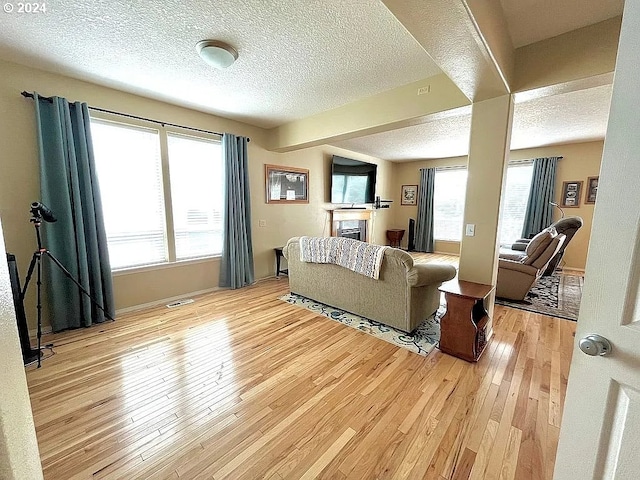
217	54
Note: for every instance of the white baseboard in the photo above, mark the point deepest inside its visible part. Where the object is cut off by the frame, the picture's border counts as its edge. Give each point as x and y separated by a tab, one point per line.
45	330
164	301
155	303
573	271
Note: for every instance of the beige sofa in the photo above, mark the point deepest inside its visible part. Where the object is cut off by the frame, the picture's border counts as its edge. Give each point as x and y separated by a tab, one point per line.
404	296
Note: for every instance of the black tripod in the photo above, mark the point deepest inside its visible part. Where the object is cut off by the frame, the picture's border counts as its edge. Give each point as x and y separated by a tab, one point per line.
38	212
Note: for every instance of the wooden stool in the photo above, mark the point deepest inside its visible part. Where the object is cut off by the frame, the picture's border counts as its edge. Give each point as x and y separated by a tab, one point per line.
395	237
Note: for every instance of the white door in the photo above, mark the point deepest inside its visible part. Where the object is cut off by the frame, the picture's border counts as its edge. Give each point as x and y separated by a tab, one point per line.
600	433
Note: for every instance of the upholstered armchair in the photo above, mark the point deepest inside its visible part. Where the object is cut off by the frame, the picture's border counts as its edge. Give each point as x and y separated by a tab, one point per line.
518	274
565	226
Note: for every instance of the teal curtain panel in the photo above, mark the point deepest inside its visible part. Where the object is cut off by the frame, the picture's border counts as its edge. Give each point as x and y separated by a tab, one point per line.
539	213
236	265
69	187
424	222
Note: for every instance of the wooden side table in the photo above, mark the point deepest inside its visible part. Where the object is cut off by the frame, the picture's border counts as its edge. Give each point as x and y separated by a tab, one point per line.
278	251
395	237
463	328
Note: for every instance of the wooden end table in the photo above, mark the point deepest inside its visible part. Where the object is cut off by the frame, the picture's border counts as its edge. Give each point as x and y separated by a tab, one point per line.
463	328
279	255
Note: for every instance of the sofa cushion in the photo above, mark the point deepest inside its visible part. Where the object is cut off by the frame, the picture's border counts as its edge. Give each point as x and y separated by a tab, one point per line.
539	243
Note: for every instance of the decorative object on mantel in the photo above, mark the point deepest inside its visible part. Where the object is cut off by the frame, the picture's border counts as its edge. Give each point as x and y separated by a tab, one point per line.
421	341
286	184
409	195
591	191
381	203
571	192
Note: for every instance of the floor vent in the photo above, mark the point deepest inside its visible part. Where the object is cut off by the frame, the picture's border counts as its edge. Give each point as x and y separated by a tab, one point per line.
180	303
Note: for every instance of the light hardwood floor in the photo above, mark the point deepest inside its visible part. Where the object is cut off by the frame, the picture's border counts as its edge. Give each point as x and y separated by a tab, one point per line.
242	385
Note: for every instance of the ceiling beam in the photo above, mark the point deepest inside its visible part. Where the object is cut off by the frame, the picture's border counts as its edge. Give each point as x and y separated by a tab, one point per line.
401	107
467	39
569	60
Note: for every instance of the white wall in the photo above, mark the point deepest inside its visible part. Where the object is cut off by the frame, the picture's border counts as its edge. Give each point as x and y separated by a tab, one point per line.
19	456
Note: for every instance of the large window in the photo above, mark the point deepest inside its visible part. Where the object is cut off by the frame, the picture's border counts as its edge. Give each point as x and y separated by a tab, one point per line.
448	203
196	195
514	203
142	227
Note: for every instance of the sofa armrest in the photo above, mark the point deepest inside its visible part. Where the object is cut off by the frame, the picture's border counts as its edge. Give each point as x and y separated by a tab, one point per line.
509	254
520	245
285	249
517	266
429	273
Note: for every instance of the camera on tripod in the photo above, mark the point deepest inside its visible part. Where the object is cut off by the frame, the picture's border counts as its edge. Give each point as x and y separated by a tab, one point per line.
42	212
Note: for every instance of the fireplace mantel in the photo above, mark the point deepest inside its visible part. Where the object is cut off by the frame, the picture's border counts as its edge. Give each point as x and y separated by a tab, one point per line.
346	215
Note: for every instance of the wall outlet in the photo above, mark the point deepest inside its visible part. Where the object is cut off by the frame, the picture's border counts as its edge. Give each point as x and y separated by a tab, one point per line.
470	230
423	90
262	223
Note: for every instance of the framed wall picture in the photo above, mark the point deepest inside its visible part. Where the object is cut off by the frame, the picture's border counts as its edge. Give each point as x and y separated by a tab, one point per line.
409	195
286	184
592	190
571	192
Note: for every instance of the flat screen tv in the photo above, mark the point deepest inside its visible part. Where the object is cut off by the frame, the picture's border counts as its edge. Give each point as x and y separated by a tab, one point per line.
352	181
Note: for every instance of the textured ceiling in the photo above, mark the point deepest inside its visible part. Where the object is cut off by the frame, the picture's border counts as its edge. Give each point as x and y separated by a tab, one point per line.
530	21
297	57
447	137
567	118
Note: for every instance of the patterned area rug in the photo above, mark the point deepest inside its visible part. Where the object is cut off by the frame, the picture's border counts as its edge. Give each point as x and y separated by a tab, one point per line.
422	341
557	296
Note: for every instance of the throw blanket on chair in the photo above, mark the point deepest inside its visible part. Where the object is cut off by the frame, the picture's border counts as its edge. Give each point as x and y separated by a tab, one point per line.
360	257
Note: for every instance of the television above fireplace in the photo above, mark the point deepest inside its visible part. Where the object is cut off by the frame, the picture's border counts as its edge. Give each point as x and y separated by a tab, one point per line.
352	181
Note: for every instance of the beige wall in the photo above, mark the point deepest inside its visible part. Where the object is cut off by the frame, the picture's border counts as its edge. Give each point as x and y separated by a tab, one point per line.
286	221
19	457
581	160
408	173
19	184
568	58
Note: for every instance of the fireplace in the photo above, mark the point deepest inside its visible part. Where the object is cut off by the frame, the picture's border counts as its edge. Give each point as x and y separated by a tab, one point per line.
356	229
351	224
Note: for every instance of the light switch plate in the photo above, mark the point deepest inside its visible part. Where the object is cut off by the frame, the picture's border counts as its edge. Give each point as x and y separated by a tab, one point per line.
470	230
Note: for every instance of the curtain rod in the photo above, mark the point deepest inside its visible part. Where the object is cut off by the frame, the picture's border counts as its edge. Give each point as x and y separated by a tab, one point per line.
50	99
511	162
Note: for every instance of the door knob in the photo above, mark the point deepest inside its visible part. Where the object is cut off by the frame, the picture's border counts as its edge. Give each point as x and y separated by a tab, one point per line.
595	345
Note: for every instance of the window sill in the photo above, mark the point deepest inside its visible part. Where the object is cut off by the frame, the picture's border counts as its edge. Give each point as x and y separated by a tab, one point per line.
161	266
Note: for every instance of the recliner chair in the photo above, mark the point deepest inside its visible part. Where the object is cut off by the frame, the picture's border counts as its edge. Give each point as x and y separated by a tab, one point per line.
566	226
517	276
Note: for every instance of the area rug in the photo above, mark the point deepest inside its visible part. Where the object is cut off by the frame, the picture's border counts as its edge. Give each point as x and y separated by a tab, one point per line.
421	341
558	295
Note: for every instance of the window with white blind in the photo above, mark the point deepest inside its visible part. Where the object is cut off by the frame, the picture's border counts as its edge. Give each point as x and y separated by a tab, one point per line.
138	220
448	203
129	170
514	203
196	195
